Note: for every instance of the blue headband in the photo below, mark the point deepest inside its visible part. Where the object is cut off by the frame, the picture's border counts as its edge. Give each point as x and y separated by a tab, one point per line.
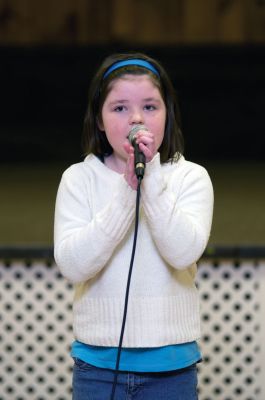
133	61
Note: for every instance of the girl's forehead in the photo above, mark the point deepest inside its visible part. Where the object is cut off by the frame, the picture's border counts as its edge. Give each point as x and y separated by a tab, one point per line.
132	81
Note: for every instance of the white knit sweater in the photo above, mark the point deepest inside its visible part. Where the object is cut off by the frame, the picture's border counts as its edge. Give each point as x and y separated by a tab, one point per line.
94	225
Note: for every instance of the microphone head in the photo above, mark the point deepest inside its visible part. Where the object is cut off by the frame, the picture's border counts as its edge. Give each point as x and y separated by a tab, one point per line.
136	128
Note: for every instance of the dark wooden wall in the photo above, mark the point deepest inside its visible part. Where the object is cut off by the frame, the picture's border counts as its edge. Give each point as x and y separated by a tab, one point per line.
34	22
214	51
43	96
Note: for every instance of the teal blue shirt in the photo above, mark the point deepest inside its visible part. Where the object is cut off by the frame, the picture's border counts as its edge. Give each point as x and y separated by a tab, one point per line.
158	359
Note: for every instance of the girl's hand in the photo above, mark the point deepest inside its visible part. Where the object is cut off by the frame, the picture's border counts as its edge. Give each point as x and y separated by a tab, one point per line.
129	173
146	142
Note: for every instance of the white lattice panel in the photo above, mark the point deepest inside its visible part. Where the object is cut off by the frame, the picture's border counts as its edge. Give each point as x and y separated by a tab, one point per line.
36	332
231	322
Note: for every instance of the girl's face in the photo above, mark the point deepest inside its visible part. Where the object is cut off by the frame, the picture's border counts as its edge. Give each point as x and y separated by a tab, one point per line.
132	99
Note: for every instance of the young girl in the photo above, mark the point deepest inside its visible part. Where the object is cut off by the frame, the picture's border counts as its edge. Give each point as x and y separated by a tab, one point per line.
94	226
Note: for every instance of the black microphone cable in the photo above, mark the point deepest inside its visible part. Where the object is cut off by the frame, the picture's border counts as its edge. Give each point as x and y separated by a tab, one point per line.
127	289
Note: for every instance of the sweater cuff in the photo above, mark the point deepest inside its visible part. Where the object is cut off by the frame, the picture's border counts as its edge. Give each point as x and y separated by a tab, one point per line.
152	165
120	213
153	188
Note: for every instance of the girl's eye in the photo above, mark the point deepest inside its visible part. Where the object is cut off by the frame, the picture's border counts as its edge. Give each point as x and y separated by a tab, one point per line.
119	108
150	107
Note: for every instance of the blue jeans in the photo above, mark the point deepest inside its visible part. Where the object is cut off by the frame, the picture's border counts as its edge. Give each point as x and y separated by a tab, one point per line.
92	383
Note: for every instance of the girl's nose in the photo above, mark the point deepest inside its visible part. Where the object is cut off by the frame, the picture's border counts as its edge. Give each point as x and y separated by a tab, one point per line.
136	117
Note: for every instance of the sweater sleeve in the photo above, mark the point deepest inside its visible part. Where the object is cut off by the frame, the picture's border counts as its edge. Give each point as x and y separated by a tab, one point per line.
179	211
83	243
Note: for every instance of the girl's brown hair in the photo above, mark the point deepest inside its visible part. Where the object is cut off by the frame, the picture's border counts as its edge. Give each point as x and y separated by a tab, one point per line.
95	141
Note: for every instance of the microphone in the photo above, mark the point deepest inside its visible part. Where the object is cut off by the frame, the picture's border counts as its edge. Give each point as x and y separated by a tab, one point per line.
139	157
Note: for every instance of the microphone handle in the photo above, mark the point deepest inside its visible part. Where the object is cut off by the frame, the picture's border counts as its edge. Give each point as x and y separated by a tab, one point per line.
139	162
